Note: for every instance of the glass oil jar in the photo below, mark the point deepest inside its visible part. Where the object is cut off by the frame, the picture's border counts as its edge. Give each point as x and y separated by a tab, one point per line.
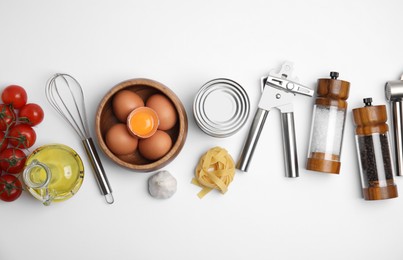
374	154
327	129
53	173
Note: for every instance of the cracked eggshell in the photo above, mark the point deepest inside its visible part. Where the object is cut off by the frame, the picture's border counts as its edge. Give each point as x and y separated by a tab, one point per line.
162	185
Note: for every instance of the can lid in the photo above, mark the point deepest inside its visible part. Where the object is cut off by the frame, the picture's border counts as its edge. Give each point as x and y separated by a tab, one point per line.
221	107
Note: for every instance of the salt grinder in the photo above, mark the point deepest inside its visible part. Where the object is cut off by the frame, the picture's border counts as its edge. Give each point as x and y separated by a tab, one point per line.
327	128
394	94
374	154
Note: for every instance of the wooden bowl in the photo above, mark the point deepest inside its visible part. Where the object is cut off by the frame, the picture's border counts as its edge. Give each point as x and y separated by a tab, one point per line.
105	119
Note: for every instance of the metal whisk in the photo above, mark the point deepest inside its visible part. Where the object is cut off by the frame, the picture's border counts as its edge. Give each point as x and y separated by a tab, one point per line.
66	96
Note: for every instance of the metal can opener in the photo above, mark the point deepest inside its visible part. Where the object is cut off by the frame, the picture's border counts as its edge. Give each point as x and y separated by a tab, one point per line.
278	90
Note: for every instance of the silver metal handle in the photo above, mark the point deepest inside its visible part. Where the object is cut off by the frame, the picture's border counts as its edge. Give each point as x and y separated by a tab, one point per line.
289	145
99	172
397	114
252	139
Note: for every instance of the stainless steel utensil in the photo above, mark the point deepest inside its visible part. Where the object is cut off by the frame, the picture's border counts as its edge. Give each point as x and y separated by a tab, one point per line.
278	90
394	94
66	96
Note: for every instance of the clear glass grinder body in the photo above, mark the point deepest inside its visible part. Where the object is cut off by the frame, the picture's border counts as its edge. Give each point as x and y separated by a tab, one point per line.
374	153
327	128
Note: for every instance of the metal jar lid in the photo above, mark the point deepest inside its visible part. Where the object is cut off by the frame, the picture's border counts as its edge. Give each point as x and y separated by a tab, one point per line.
221	107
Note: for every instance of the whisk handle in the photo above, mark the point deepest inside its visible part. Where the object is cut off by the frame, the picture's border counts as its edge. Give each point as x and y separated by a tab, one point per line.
99	171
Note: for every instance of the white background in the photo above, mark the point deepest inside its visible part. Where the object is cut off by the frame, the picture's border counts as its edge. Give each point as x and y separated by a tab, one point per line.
184	44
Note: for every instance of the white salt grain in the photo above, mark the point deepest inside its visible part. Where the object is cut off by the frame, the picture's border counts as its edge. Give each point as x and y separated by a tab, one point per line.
327	130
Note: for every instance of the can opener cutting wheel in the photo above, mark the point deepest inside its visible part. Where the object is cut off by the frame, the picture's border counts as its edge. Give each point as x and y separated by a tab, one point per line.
279	88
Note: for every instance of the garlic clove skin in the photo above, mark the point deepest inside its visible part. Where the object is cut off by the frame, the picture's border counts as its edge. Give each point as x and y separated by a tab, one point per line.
162	185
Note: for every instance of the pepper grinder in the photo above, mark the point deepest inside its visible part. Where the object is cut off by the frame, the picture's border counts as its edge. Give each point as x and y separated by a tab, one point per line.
374	154
329	116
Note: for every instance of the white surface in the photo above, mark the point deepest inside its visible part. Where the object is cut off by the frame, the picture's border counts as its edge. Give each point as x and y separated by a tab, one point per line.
183	44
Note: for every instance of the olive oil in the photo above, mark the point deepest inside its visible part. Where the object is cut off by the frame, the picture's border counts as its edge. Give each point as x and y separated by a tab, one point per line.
54	173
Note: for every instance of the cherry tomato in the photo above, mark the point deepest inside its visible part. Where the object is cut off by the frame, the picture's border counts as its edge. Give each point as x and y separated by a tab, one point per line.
21	136
3	141
7	117
12	160
14	95
31	114
10	188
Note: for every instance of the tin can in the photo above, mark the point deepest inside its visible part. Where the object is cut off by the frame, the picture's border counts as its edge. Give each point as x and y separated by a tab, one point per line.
221	107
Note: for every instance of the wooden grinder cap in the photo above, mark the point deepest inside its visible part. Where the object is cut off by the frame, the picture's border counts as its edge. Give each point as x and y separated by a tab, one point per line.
370	119
332	92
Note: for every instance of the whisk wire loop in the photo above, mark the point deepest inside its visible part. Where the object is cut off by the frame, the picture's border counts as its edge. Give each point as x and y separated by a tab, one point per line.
68	101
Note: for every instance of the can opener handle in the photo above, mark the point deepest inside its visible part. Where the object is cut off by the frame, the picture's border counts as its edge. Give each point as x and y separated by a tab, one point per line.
288	137
289	145
252	139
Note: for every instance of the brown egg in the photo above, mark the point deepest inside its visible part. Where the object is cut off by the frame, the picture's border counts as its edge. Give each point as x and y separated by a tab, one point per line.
165	110
156	146
124	102
120	141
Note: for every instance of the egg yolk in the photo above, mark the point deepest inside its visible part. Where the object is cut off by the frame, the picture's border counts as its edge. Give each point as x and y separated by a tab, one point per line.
142	123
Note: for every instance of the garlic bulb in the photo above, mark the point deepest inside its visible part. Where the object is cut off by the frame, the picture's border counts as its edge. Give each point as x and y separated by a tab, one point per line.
162	185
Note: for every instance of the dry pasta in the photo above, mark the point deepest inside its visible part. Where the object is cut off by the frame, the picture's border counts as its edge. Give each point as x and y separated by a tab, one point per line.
215	170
